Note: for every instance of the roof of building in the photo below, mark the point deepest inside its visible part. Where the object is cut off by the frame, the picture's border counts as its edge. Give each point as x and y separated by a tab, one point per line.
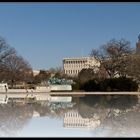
74	58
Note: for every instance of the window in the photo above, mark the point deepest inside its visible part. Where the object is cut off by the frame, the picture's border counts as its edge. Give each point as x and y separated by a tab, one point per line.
73	71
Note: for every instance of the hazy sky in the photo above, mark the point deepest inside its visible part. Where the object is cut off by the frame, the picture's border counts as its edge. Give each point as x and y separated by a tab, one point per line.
45	33
48	127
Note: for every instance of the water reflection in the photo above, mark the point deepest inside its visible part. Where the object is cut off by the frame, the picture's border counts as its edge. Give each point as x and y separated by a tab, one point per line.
14	118
86	113
72	119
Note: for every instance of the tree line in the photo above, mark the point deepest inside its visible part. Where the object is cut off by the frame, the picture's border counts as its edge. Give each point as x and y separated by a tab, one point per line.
119	64
117	59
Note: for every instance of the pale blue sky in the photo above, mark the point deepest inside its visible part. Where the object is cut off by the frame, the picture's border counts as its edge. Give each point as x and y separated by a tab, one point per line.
45	33
48	127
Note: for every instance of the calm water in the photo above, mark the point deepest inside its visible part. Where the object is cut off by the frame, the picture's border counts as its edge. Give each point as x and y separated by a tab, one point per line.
83	117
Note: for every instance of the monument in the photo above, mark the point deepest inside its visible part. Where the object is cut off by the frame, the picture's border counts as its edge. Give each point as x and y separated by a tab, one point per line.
57	84
138	46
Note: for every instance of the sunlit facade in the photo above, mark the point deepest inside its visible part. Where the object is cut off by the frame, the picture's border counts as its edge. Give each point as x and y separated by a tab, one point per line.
35	72
72	66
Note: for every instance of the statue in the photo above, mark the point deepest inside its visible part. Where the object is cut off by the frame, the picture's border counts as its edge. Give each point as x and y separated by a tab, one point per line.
57	81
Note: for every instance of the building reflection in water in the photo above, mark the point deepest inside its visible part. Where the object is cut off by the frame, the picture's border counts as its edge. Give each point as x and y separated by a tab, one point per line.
72	119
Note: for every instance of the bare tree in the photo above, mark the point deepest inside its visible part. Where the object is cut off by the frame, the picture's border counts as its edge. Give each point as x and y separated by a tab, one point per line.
42	77
112	57
58	72
5	50
16	69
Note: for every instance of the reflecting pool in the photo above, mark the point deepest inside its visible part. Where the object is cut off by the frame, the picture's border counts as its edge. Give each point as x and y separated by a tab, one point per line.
90	116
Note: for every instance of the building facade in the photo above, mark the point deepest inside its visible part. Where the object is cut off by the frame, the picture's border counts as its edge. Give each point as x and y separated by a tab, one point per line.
35	72
72	66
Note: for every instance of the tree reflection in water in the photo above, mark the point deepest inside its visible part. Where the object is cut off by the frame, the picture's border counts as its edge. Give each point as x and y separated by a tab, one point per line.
119	116
58	109
42	108
13	118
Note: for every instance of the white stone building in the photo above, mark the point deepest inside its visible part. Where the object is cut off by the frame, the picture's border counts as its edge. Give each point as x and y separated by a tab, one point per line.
35	72
72	66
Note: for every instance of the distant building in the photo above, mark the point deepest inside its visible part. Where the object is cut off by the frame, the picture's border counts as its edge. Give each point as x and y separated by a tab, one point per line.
35	72
138	46
72	66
